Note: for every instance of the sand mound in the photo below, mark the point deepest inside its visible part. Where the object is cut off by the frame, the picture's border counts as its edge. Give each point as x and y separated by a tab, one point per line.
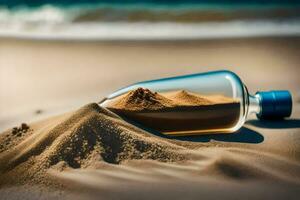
80	140
183	97
186	98
142	99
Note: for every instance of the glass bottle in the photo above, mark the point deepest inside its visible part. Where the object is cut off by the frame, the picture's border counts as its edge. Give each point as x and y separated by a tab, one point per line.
204	103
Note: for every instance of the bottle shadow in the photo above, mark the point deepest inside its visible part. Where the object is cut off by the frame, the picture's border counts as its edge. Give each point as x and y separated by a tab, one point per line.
244	135
275	124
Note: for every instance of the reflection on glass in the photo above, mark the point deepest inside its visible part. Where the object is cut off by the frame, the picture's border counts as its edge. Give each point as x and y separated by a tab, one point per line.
213	102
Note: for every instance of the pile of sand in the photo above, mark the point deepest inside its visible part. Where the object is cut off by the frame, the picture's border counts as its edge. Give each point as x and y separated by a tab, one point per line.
142	99
90	136
81	139
185	98
177	112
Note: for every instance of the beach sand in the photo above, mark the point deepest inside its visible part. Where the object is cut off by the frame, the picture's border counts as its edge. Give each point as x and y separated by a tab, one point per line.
50	85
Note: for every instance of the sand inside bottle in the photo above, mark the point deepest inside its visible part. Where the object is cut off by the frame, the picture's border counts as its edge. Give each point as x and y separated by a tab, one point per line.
177	112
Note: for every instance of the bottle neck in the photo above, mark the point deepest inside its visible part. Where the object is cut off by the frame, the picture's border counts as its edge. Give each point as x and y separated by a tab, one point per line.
254	104
275	104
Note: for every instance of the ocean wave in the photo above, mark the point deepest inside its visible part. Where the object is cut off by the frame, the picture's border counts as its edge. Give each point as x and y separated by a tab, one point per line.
140	22
45	14
155	31
116	13
152	3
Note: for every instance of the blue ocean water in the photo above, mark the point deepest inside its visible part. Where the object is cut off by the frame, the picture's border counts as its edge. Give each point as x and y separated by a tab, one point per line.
144	19
13	3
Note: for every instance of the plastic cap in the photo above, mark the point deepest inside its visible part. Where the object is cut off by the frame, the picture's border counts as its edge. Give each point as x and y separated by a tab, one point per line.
275	104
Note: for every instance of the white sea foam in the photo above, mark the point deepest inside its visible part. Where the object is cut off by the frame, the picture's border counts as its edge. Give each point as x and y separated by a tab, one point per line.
45	14
50	22
150	31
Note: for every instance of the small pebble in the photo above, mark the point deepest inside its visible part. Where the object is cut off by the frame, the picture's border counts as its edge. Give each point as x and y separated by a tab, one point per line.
39	111
15	130
24	126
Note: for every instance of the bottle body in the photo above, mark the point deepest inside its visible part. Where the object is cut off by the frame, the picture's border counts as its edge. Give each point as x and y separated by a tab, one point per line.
205	103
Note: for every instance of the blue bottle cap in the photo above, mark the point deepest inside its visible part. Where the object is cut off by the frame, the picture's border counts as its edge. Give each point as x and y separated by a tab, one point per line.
275	104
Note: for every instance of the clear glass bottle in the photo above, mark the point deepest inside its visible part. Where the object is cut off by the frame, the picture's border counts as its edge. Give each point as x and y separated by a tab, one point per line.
204	103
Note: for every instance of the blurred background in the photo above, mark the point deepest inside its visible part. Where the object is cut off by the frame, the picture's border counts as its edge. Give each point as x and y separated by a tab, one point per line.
147	19
57	55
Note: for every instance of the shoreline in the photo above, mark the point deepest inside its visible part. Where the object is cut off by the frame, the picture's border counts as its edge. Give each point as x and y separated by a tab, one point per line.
179	41
148	39
164	42
152	31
